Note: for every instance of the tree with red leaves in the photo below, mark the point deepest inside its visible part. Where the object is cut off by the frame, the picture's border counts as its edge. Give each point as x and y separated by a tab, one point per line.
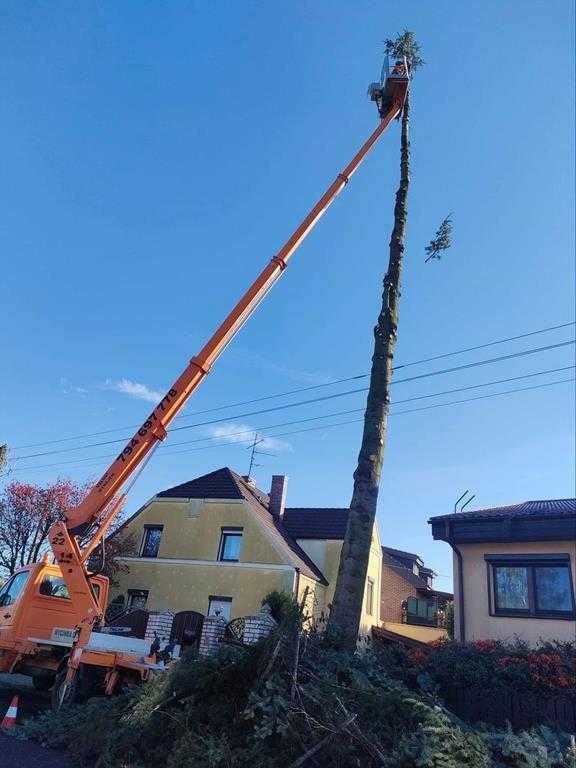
26	513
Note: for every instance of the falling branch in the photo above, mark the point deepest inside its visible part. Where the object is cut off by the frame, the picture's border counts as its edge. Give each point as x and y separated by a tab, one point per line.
441	241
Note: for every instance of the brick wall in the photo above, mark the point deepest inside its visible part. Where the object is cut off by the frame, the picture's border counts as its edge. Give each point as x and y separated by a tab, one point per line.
159	624
394	590
212	633
259	626
277	496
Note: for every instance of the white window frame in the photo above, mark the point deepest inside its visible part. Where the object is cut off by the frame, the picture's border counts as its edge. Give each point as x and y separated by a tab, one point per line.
370	589
229	531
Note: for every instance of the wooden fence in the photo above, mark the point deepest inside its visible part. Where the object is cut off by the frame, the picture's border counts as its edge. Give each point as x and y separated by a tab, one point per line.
521	710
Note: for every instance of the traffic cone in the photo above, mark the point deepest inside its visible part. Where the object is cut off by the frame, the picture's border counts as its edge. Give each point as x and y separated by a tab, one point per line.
11	715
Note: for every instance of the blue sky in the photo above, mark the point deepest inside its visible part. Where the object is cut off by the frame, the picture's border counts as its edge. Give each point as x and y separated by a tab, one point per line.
155	155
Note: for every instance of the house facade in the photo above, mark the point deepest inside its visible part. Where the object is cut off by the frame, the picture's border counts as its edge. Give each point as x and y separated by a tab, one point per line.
514	570
217	545
409	604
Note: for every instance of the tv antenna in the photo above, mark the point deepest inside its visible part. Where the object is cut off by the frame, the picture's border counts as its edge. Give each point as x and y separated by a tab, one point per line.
258	440
461	498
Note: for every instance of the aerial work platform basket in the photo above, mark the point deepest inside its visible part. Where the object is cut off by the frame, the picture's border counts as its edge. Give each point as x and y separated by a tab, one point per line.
392	87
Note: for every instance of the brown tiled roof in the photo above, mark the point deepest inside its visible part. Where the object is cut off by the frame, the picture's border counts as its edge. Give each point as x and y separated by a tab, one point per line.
396	560
220	484
399	555
535	509
409	576
316	522
226	484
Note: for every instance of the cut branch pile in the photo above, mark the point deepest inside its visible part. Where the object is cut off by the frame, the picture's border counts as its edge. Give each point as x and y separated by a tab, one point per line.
291	701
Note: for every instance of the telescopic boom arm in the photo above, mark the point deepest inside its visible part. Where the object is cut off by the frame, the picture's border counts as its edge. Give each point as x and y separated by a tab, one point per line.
154	429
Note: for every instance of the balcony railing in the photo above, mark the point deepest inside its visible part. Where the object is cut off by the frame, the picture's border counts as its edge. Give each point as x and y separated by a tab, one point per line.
421	621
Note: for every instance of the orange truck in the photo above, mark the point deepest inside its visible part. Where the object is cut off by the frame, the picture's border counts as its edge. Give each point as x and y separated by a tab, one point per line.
51	614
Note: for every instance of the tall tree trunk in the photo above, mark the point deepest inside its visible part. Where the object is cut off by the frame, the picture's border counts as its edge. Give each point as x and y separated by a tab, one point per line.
347	604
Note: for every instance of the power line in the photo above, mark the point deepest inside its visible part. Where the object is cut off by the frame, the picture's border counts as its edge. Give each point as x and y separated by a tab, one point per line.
338	413
311	401
343	423
395	368
305	389
329	426
396	413
395	402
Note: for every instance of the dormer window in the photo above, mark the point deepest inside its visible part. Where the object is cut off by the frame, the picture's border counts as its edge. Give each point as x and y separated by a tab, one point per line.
230	545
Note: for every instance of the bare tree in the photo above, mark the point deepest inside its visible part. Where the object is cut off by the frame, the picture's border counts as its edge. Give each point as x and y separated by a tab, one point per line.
349	594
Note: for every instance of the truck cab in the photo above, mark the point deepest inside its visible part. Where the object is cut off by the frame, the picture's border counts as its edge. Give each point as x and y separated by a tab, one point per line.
38	619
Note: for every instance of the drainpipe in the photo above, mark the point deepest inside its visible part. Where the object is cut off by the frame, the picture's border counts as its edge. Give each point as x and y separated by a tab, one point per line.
296	583
458	554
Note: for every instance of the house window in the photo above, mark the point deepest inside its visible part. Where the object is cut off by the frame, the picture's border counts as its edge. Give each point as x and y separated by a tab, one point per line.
421	612
137	599
531	585
151	540
54	586
220	606
230	543
370	597
511	588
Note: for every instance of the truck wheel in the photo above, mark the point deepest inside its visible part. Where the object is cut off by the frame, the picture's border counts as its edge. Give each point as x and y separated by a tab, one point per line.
42	682
62	694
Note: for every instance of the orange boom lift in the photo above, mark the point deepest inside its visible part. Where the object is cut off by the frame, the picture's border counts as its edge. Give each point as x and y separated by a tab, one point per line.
47	631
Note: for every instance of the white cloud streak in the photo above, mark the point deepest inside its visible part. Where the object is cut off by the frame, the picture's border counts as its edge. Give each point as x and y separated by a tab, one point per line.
243	434
254	360
134	389
69	388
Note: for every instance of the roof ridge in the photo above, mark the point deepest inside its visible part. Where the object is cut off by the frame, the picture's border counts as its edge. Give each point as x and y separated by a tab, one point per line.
344	509
546	501
535	508
245	487
401	551
520	504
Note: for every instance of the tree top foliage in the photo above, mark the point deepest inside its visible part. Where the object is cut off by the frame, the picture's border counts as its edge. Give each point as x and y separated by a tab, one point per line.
441	241
405	45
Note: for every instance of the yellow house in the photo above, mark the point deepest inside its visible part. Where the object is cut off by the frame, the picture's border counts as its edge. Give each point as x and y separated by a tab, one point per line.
514	570
218	544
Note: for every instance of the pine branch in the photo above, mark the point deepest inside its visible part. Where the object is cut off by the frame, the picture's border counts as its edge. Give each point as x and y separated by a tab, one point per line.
441	241
405	45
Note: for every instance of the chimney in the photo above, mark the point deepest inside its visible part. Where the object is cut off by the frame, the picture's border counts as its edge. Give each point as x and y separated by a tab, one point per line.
278	491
